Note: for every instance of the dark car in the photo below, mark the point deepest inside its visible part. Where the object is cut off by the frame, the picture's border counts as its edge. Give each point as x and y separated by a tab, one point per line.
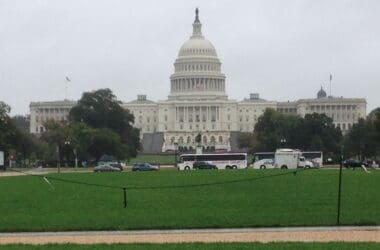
106	168
354	164
203	165
144	167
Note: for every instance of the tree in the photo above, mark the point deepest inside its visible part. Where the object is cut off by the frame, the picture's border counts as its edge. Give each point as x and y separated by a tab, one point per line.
313	132
364	138
100	109
13	139
21	122
247	141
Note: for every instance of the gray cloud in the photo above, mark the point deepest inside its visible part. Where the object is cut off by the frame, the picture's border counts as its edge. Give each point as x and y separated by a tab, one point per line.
285	50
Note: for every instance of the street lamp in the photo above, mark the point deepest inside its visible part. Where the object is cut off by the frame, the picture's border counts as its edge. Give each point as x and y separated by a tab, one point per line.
283	142
67	143
74	152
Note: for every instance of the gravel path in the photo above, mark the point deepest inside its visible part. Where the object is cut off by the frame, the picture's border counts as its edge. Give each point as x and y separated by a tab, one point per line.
299	234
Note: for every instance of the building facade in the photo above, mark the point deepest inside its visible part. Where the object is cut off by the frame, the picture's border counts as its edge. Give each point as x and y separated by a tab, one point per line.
41	112
198	104
343	111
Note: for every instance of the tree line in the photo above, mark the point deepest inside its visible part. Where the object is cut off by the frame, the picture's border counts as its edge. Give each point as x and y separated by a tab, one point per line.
98	125
314	132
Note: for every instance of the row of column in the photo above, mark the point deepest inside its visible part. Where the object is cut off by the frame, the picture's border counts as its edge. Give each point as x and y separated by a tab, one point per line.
196	84
197	114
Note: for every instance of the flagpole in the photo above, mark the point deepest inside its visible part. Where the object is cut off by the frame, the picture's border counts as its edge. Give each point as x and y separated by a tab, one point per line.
330	83
66	89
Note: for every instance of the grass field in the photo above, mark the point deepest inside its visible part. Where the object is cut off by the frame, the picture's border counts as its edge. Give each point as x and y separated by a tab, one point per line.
162	159
309	198
195	246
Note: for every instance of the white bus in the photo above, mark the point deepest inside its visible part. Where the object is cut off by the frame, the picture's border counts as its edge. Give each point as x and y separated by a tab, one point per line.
316	157
221	161
262	155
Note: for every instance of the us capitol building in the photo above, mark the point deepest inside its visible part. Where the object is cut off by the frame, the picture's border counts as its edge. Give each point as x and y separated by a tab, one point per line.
198	104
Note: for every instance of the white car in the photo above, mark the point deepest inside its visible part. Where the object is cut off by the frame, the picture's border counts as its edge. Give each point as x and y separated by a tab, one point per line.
264	164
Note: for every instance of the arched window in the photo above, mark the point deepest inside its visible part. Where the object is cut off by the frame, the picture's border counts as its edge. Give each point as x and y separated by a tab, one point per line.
204	139
220	139
180	140
188	140
212	139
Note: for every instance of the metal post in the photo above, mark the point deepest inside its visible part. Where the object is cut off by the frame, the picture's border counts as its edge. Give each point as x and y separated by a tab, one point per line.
339	187
58	160
125	197
76	158
175	154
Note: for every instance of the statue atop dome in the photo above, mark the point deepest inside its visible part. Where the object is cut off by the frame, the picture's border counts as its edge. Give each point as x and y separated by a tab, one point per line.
196	15
197	26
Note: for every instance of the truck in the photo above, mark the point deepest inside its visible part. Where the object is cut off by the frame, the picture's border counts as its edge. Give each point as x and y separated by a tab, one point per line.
290	159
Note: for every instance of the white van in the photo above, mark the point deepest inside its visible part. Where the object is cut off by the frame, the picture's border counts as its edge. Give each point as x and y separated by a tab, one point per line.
290	159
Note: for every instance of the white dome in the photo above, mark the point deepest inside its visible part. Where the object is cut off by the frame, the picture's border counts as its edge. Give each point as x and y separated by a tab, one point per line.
197	46
197	70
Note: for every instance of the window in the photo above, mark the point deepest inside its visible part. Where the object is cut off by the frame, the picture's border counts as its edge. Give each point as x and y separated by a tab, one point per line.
166	118
204	139
212	139
220	139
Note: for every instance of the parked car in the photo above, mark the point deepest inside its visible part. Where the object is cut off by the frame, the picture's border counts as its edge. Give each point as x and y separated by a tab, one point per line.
144	167
264	164
354	164
113	164
106	168
203	165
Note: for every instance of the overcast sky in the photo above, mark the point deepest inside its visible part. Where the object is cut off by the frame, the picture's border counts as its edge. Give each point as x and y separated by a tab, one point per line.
284	50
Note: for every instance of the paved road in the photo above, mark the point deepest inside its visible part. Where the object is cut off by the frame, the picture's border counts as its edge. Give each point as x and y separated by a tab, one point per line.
301	234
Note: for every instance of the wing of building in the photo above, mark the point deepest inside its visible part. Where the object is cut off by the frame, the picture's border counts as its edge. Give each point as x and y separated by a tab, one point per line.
198	104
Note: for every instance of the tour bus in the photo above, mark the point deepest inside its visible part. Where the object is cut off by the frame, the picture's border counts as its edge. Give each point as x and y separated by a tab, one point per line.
221	161
262	155
316	157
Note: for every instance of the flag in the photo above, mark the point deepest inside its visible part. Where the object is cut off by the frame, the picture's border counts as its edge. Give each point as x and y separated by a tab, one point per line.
330	77
68	79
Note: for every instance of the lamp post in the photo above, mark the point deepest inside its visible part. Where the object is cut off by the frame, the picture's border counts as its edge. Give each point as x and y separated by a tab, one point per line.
74	152
67	143
283	142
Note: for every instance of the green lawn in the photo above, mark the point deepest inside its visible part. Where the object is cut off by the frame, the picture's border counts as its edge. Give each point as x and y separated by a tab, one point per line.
162	159
309	198
193	246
